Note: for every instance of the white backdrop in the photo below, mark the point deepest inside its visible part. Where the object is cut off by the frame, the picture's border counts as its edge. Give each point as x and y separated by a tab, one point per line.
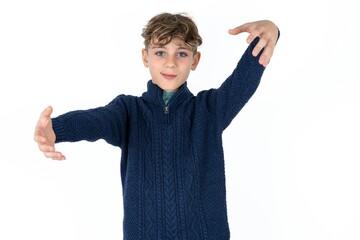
292	154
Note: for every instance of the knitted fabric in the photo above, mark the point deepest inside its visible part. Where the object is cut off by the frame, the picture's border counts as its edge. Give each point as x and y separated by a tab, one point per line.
172	161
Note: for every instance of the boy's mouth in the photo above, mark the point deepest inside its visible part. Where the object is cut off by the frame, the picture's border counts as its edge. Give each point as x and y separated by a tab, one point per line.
168	76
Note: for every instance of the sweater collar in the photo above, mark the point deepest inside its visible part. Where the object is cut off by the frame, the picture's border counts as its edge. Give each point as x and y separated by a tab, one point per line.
154	94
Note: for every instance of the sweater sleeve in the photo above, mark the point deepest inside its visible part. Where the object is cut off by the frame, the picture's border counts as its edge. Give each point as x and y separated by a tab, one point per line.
225	102
107	122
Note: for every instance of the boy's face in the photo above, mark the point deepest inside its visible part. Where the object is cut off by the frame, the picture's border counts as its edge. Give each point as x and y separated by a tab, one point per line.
170	64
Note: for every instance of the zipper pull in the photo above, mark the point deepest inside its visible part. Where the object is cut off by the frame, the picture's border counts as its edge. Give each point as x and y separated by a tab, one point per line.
166	110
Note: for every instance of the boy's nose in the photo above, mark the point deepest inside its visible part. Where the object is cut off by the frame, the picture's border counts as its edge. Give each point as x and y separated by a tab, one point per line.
170	62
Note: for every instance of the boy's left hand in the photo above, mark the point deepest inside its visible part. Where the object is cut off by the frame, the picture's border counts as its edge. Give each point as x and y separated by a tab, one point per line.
267	31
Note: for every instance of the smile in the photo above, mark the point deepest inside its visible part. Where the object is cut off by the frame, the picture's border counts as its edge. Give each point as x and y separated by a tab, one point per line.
168	76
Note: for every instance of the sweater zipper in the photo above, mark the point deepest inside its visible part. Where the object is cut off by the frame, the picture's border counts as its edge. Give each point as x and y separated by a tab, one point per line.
166	109
166	112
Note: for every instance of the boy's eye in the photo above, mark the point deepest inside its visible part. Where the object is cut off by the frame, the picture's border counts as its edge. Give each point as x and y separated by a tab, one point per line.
160	53
182	54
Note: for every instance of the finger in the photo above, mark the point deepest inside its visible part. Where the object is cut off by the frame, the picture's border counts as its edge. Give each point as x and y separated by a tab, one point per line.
259	46
263	60
46	147
254	34
240	29
39	133
266	55
43	120
55	155
267	52
45	116
46	112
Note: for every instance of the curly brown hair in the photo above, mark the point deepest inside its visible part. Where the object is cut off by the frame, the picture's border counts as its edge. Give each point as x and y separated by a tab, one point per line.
165	27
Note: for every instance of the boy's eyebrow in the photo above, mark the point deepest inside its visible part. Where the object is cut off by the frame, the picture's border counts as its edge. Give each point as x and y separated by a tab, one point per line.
163	46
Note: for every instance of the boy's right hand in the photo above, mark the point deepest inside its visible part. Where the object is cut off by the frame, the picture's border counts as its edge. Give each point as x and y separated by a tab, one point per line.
268	33
45	136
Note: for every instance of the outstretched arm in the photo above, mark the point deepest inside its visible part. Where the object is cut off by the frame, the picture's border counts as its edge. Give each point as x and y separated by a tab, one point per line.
268	33
225	102
45	137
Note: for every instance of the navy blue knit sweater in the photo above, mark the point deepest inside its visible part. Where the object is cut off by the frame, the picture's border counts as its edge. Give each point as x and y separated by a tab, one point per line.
172	161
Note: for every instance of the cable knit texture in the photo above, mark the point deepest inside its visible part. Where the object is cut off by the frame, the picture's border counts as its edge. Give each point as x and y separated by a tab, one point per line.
172	161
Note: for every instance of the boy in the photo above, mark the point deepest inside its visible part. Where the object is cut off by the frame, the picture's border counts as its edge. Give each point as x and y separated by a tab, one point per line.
172	161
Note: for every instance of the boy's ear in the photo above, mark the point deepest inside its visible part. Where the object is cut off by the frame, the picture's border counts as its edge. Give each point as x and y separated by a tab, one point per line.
145	57
196	60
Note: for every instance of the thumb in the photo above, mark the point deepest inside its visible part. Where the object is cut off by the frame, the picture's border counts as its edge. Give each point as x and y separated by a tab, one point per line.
47	112
239	29
233	31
